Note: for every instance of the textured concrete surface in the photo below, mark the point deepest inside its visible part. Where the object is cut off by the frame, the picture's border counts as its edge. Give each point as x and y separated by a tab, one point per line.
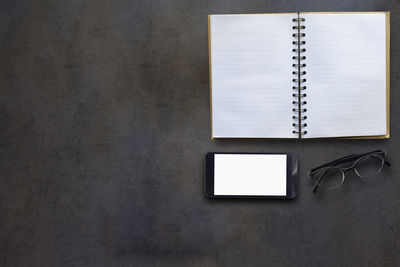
104	123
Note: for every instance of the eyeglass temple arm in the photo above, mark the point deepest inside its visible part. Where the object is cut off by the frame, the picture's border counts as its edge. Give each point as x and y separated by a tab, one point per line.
316	185
335	162
315	188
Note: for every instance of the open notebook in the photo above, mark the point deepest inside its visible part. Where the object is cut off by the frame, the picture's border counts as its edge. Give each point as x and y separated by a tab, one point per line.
300	75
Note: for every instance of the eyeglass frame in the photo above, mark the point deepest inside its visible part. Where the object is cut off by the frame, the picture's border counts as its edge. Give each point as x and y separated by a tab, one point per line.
355	158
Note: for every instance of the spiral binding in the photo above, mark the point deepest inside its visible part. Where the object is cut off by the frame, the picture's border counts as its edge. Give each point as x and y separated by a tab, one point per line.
299	96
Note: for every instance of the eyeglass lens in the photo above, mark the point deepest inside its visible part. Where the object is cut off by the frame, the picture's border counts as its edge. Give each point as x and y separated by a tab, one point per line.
369	165
329	178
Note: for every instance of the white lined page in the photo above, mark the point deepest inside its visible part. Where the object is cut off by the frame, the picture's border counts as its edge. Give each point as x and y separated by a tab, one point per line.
346	74
251	75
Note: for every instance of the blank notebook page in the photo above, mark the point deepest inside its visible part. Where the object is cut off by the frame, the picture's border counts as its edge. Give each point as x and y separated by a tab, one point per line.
251	75
346	74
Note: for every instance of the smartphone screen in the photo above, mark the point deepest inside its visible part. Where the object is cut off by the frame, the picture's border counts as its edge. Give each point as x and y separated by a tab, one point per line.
250	174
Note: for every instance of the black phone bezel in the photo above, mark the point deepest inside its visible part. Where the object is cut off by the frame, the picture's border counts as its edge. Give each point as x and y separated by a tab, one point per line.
291	177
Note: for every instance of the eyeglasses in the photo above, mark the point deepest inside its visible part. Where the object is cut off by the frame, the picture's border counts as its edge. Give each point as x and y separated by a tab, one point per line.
332	174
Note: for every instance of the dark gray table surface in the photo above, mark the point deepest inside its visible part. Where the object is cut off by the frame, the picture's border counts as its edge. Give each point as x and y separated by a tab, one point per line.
104	124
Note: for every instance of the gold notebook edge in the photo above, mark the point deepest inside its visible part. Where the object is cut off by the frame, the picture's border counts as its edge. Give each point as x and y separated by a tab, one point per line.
387	28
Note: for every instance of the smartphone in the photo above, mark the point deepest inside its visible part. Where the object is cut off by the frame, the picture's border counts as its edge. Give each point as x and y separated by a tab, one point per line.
251	175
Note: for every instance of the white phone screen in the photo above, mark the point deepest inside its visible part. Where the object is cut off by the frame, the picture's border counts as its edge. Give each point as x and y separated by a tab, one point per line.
250	174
